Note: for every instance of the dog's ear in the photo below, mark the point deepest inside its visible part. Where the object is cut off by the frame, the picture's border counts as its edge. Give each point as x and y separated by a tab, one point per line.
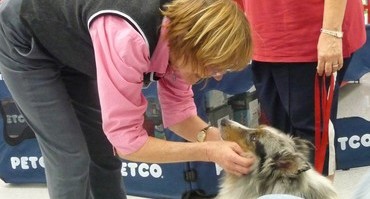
303	146
290	164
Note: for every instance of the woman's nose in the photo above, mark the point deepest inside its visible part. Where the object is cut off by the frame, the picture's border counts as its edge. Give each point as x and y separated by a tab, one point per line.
218	76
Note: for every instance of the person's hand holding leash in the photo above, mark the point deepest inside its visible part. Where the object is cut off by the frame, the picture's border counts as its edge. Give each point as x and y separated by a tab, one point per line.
329	53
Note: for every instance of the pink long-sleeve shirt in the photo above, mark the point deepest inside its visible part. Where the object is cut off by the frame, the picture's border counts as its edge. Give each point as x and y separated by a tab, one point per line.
122	56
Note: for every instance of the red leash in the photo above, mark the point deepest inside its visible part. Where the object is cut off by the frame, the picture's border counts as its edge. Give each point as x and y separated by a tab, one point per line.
323	102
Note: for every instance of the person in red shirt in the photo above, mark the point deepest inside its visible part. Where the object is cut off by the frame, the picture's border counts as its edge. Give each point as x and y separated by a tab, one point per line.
294	40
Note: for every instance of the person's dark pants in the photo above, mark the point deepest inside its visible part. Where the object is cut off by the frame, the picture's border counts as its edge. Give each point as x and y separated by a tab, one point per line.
61	105
286	94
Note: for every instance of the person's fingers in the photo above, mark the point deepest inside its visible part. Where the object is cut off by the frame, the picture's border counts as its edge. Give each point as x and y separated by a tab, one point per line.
242	161
244	166
242	158
320	67
335	67
234	168
329	68
233	172
340	63
233	159
236	148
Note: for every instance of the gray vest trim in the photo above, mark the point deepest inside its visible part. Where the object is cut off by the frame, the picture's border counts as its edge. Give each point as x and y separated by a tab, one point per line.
131	21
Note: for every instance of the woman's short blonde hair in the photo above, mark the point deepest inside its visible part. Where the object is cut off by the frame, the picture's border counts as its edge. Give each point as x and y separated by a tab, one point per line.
209	33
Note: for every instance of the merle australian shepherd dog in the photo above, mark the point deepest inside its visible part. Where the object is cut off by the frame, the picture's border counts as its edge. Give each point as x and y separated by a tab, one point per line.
281	165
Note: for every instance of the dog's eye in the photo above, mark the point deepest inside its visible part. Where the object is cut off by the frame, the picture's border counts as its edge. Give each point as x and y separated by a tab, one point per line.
253	138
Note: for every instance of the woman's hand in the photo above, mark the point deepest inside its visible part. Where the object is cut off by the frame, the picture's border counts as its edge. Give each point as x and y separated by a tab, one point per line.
230	157
330	54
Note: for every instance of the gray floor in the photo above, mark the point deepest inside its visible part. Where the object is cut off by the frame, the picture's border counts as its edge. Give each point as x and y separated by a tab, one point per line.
354	101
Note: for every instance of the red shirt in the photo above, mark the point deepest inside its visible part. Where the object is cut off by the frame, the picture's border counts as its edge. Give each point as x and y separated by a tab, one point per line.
288	30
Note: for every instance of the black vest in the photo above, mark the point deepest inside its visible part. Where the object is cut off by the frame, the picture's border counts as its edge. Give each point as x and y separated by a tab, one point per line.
61	26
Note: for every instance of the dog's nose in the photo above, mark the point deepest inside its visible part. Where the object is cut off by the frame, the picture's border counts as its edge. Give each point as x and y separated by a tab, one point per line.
224	122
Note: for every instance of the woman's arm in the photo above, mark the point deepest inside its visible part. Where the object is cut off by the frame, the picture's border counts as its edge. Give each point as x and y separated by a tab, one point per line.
329	48
226	154
334	14
121	57
189	129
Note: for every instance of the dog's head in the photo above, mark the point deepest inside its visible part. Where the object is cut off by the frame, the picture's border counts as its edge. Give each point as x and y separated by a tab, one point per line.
278	155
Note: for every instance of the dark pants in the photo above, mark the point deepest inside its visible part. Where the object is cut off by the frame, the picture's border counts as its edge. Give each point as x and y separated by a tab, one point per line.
61	105
286	94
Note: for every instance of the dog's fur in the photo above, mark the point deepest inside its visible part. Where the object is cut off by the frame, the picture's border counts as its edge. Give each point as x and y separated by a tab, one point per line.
281	165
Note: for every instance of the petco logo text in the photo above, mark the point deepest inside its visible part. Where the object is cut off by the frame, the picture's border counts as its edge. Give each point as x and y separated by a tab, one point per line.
26	163
142	169
354	142
14	119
